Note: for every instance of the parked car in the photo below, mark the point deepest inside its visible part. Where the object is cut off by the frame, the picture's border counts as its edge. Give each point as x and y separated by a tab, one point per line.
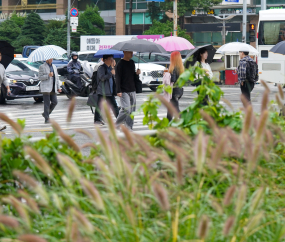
24	83
156	58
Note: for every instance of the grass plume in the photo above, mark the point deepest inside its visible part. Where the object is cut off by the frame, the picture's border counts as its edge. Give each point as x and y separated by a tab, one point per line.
70	109
16	127
161	196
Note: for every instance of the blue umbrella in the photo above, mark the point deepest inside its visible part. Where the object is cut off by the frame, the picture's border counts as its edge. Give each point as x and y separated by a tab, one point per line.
115	53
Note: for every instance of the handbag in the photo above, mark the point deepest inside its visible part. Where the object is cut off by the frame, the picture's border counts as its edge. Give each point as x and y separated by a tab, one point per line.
138	83
177	92
92	99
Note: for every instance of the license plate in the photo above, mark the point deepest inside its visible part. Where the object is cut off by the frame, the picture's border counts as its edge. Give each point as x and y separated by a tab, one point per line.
159	79
33	88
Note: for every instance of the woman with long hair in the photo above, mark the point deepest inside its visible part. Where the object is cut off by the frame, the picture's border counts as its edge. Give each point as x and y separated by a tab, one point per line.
202	62
202	57
176	68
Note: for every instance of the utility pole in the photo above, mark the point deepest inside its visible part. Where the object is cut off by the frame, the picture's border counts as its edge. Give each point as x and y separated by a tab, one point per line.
130	17
175	18
224	19
68	28
263	4
244	15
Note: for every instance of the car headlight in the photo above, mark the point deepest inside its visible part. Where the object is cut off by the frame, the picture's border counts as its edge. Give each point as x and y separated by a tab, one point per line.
12	80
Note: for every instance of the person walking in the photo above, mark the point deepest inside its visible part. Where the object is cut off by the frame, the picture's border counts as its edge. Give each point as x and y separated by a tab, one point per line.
202	62
247	74
49	87
5	81
176	68
73	68
126	89
106	87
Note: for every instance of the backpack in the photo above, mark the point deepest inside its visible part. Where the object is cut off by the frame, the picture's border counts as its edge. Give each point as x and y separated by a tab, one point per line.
251	71
94	82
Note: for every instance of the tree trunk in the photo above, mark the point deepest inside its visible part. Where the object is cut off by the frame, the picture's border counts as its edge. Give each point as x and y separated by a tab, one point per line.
130	17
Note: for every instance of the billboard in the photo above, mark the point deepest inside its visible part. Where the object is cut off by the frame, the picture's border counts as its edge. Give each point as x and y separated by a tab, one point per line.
234	2
101	42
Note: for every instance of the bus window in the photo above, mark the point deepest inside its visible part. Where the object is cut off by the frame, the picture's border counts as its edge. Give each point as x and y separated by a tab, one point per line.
271	32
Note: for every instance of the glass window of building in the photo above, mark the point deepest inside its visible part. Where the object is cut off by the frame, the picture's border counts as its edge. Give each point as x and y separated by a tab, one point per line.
138	4
41	1
103	5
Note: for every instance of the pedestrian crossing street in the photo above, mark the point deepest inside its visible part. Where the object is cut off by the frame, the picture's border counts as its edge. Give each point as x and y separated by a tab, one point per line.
82	118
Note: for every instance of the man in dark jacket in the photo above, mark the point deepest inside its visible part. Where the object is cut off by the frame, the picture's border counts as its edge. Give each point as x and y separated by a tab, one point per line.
106	87
73	69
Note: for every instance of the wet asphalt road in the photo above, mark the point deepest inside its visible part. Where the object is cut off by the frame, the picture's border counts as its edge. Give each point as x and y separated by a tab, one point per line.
82	117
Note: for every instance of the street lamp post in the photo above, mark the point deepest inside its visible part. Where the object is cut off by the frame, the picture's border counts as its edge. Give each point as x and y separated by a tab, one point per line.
175	18
68	28
224	19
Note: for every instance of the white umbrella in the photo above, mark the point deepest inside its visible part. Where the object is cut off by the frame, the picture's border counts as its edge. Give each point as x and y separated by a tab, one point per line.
45	53
236	47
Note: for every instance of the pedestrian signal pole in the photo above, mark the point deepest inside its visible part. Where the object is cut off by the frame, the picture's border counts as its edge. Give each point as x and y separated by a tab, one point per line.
175	18
68	28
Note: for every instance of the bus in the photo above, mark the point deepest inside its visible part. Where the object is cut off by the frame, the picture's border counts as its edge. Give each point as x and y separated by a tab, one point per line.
271	30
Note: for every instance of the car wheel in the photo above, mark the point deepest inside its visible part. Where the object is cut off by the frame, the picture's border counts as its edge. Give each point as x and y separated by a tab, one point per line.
153	89
38	99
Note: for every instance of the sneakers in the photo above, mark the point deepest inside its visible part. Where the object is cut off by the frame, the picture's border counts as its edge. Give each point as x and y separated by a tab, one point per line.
99	123
2	127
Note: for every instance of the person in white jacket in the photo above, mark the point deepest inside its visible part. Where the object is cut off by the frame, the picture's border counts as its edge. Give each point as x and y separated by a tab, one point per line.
5	81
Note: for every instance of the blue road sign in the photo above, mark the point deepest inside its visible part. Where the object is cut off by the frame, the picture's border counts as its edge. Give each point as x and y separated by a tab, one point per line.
74	12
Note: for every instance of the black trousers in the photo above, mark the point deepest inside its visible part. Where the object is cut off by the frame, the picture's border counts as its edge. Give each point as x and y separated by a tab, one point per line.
246	89
175	102
77	81
50	101
111	101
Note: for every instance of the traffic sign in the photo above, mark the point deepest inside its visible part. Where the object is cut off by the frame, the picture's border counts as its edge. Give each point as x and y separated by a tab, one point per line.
74	28
74	12
74	21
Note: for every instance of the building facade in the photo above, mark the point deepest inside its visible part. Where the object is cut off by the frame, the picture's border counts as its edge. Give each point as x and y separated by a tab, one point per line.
203	27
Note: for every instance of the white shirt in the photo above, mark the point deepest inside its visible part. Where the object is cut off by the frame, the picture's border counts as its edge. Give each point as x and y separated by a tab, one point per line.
207	67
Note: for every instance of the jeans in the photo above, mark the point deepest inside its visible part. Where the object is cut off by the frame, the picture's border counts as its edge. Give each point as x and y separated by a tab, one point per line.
128	105
246	89
175	102
50	101
111	101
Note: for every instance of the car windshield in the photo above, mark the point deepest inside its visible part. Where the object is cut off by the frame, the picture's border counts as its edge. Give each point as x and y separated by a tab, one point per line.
17	65
34	64
64	58
136	59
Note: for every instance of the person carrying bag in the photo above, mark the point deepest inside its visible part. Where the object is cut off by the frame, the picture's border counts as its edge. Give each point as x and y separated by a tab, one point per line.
176	68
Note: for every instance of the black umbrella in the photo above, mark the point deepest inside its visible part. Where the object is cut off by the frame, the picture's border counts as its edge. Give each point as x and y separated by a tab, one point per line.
139	45
279	48
7	52
194	53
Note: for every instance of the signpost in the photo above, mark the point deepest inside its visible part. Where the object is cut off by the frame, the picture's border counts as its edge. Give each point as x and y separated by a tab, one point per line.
74	12
74	19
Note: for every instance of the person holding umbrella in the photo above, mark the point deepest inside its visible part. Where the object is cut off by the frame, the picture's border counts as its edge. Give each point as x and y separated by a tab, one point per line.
6	57
176	68
106	87
4	80
49	87
126	89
